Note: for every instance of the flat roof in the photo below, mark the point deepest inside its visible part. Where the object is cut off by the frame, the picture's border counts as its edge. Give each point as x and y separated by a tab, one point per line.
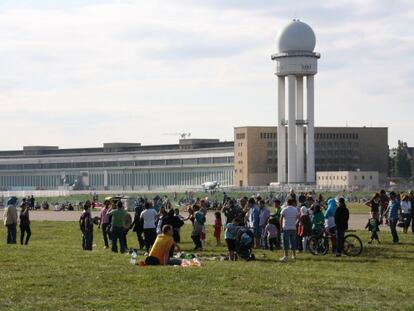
132	149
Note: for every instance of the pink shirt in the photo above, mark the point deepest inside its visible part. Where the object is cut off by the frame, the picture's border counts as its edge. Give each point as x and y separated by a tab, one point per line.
105	215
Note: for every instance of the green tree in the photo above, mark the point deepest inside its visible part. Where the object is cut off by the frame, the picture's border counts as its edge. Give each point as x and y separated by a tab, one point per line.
402	165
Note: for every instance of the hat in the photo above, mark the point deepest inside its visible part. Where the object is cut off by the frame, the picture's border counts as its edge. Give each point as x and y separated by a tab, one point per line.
304	210
404	196
12	201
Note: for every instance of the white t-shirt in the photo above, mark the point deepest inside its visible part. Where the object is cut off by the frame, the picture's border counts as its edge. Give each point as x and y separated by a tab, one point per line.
290	215
405	207
149	216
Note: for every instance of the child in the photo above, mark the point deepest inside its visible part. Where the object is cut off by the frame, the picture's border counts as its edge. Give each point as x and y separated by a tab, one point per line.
373	226
305	227
230	237
217	228
271	233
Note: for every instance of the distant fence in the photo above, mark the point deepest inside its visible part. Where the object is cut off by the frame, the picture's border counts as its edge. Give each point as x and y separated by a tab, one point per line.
261	189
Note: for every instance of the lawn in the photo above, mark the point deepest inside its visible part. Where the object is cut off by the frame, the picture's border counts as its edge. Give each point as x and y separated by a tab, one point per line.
53	273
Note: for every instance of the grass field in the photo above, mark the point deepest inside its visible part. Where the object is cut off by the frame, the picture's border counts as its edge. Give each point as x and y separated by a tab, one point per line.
53	273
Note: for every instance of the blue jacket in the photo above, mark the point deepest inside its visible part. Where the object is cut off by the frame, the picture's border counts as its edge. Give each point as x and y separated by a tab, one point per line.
331	210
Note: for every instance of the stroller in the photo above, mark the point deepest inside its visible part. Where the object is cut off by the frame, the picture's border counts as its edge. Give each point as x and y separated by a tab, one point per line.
244	244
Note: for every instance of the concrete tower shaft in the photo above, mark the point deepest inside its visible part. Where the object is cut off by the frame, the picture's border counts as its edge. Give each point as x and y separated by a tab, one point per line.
297	63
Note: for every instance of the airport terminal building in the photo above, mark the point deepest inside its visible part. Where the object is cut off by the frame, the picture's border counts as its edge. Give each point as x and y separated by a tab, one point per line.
118	166
251	160
336	149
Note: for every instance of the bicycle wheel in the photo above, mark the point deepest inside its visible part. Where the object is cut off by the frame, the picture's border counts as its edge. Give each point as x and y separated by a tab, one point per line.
352	245
318	246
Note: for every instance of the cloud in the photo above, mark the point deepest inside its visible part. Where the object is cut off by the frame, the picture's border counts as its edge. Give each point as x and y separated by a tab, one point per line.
133	70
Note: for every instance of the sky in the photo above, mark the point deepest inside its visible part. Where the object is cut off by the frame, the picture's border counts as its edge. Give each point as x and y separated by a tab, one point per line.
80	73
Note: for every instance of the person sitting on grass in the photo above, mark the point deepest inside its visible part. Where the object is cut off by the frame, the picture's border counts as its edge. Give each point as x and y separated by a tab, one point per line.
373	226
161	250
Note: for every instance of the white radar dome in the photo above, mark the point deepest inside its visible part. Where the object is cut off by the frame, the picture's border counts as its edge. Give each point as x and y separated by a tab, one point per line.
296	36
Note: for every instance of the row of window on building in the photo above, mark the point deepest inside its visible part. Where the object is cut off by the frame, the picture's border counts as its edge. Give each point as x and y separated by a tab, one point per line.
268	135
336	136
341	177
119	179
97	164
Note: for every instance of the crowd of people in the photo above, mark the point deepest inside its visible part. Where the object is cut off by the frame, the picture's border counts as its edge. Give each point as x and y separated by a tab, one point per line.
286	221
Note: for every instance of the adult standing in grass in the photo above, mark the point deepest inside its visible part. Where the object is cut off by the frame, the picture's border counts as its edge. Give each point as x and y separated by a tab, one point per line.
229	210
137	224
117	226
341	222
264	215
288	218
330	221
175	222
254	221
276	217
86	226
149	216
104	222
393	214
10	220
198	224
24	224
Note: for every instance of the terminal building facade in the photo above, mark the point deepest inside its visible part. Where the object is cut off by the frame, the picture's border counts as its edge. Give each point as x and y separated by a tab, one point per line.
336	149
118	166
251	160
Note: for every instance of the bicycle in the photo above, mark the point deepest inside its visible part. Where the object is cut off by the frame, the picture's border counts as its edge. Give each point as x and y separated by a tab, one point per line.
319	244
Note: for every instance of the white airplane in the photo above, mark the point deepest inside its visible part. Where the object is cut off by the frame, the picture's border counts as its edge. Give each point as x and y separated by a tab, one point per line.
210	185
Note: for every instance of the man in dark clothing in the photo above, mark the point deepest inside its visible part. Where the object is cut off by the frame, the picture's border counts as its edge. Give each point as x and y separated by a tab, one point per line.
341	222
175	222
86	226
32	202
138	225
230	211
